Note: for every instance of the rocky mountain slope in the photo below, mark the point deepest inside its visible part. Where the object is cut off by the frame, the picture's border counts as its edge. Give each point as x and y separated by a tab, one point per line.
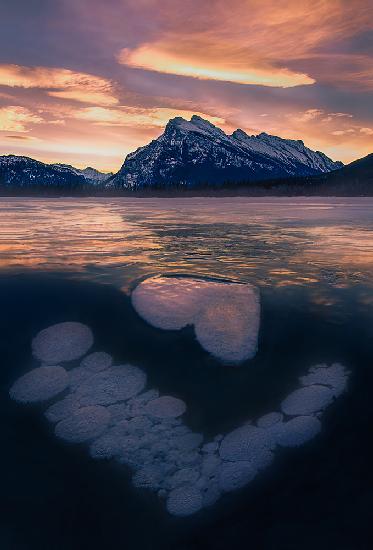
197	152
90	174
18	171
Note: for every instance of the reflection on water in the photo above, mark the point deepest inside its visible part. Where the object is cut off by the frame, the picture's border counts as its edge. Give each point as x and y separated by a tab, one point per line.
270	241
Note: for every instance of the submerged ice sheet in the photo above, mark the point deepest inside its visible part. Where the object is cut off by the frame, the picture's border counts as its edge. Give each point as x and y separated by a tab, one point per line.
109	408
225	316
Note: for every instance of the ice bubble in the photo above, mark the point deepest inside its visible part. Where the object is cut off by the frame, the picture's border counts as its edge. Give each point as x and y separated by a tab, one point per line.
111	385
143	398
235	475
210	464
210	493
91	364
298	431
62	409
119	412
211	447
307	400
84	425
62	342
335	376
184	501
188	458
166	302
39	384
228	325
149	477
139	424
165	407
226	316
144	431
185	476
109	443
269	420
97	361
247	443
187	442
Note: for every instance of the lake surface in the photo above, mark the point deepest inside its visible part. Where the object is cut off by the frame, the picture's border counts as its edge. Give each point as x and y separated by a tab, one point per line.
78	260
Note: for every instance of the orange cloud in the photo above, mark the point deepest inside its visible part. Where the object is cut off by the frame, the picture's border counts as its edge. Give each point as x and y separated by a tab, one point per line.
61	83
255	42
366	131
17	119
277	44
155	57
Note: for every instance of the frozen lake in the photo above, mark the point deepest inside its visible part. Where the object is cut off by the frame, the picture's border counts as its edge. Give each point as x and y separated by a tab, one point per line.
311	260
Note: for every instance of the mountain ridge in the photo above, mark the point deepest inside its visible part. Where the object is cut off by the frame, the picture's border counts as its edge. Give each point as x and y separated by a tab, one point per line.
24	171
195	152
197	156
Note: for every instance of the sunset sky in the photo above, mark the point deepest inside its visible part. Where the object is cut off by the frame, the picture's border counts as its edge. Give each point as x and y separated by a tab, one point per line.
87	81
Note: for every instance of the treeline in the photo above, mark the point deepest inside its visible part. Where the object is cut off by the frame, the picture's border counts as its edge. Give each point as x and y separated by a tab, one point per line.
326	185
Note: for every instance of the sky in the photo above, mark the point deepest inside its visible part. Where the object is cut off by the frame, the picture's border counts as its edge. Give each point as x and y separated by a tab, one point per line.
85	82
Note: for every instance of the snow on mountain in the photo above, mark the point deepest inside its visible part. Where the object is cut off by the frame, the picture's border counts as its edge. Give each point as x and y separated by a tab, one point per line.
90	174
23	171
197	152
289	151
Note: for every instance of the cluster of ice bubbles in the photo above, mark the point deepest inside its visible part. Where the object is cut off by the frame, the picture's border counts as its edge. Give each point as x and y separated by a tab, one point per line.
110	409
225	316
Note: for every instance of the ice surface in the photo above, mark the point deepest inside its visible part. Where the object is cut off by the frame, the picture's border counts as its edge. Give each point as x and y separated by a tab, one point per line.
39	384
62	342
226	316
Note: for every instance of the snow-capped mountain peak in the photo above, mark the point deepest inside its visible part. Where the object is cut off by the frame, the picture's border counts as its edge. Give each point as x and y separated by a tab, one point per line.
195	151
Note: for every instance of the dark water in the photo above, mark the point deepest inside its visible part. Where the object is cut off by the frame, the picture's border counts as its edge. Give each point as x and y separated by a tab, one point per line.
76	260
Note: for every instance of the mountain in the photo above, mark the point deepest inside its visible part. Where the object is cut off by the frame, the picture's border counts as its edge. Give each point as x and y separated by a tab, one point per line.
197	152
18	171
90	174
360	170
355	178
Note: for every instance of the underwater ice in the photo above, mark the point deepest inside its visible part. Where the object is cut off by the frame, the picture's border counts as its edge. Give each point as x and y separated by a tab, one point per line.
110	409
225	316
84	424
62	342
40	384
